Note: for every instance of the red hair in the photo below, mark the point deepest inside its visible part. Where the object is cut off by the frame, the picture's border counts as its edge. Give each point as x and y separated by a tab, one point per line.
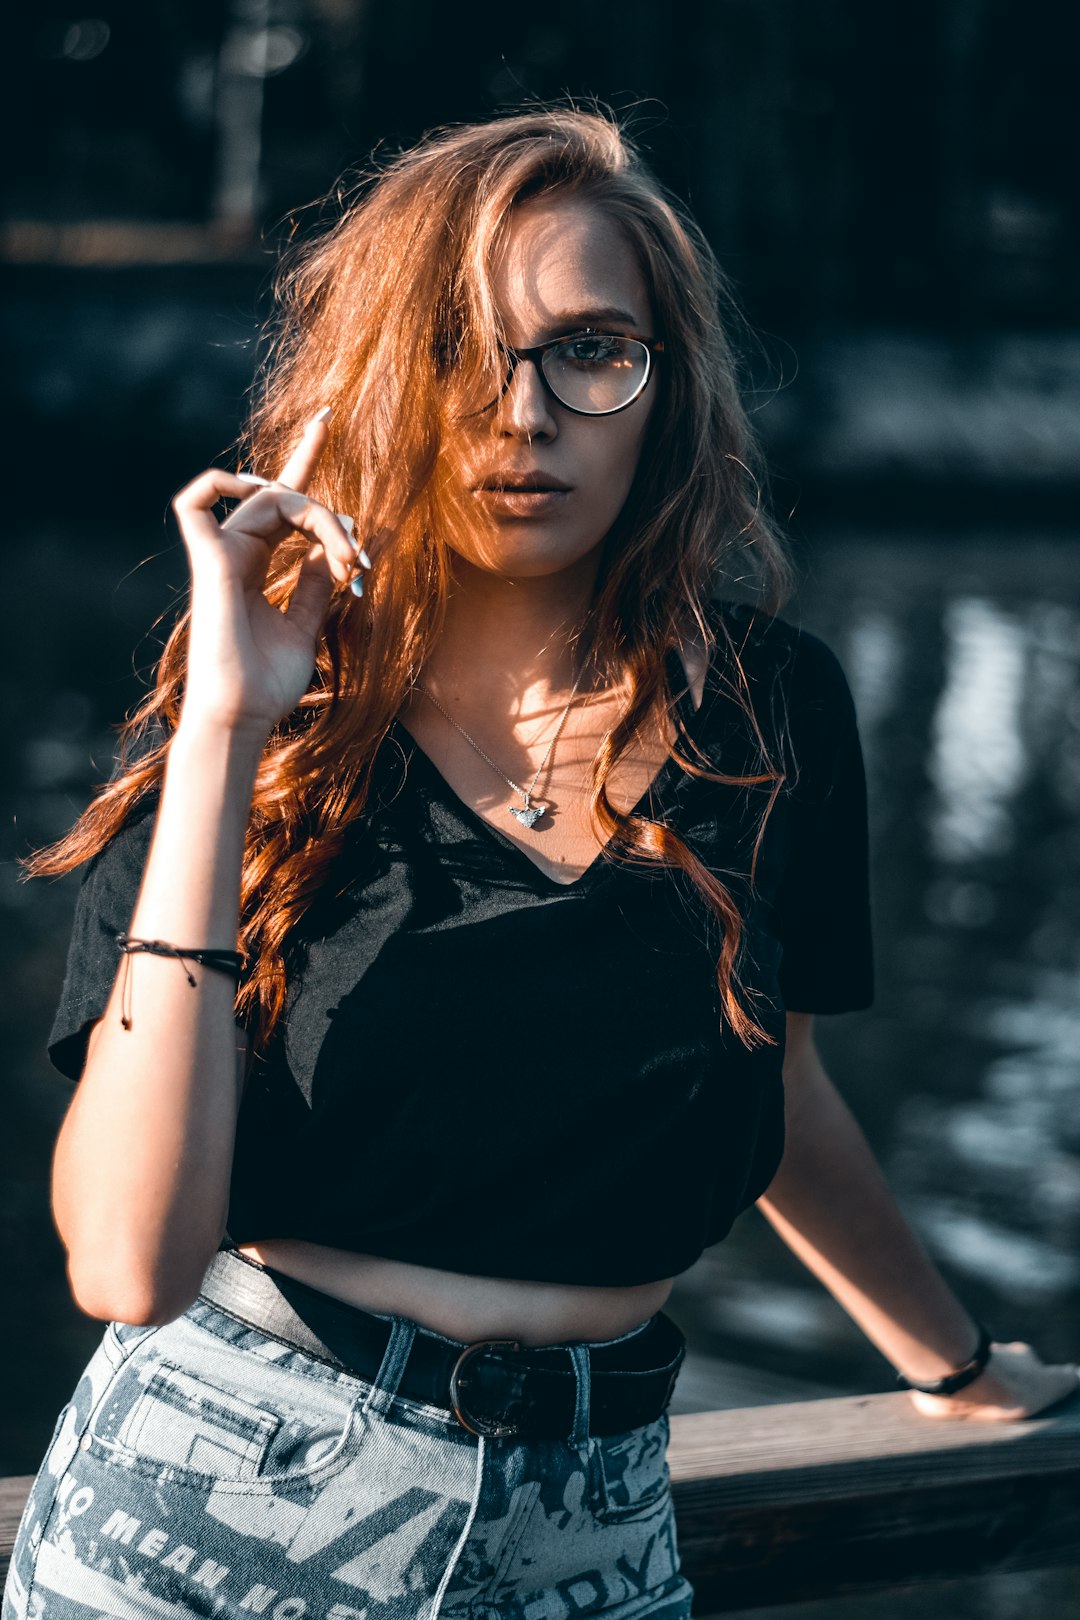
365	309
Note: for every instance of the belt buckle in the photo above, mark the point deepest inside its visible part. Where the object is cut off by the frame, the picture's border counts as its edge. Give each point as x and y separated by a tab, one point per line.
494	1431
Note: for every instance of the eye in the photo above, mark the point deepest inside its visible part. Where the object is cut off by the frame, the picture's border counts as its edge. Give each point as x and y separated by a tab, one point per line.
586	349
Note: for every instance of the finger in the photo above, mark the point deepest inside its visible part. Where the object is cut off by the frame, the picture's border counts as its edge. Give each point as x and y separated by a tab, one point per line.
274	512
334	533
312	593
1062	1385
299	470
1067	1376
194	503
349	524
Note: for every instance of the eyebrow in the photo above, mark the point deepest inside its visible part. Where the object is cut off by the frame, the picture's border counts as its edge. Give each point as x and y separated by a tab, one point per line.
572	320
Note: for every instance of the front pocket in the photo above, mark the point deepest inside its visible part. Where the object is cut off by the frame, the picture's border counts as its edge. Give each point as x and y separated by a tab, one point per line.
191	1425
633	1480
169	1419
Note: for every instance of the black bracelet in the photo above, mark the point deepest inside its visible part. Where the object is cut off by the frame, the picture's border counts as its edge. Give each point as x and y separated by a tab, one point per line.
962	1377
230	962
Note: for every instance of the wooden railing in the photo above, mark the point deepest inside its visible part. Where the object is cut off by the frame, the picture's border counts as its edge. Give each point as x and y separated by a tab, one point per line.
775	1504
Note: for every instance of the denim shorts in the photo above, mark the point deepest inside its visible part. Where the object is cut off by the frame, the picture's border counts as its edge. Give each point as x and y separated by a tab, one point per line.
203	1467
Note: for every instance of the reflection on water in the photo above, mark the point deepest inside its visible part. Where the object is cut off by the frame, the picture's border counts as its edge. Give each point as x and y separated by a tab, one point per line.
994	1177
1016	1141
976	755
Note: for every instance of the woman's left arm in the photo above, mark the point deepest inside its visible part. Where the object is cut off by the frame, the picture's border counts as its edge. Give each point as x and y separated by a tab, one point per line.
832	1206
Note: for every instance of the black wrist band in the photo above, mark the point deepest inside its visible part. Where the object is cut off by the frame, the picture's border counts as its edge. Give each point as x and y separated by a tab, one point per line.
230	962
962	1377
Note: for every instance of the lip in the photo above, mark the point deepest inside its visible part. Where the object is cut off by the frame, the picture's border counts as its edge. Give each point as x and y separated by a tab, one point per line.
515	483
519	501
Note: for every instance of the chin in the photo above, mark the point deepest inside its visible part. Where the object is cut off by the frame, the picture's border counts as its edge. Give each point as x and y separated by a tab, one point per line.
533	557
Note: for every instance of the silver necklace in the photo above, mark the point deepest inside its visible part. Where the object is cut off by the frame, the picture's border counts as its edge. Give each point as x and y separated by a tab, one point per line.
527	813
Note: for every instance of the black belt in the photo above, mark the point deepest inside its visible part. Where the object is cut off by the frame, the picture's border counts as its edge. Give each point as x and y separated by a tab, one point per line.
494	1387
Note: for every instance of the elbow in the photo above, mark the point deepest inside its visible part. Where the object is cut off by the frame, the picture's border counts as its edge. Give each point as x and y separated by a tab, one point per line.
119	1294
146	1275
137	1307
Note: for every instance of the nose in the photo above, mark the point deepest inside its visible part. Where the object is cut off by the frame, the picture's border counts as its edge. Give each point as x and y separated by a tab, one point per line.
524	411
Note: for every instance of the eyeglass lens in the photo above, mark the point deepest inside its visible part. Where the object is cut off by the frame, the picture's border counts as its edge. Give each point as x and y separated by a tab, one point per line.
596	373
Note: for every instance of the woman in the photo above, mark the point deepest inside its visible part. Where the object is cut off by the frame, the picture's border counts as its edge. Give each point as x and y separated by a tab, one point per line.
542	852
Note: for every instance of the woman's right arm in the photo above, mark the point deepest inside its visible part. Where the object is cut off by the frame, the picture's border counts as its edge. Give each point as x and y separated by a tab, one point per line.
144	1156
143	1159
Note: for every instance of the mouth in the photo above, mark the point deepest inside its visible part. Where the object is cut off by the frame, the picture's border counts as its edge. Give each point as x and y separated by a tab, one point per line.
511	483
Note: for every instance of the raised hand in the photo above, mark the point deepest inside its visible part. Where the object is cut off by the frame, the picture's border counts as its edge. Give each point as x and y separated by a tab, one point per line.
249	664
1014	1384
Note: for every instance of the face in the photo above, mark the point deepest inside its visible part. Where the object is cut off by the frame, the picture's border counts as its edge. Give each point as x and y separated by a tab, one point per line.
565	266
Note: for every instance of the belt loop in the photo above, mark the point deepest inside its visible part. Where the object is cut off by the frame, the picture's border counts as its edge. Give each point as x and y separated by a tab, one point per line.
396	1354
579	1433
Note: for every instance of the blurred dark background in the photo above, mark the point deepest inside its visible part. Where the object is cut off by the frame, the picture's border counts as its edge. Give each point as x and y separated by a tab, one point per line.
891	187
892	190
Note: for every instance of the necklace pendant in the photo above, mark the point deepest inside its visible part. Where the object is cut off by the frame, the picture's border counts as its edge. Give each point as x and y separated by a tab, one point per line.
528	814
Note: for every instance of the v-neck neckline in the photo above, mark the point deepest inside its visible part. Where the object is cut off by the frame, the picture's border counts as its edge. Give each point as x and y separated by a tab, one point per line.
600	863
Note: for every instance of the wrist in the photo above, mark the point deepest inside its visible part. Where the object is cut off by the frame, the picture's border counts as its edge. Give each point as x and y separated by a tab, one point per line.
237	749
959	1377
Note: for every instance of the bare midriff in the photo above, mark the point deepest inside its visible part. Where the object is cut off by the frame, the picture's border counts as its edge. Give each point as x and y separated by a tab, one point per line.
461	1306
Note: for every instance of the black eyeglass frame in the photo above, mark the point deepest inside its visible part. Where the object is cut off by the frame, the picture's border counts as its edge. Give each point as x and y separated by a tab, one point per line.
538	350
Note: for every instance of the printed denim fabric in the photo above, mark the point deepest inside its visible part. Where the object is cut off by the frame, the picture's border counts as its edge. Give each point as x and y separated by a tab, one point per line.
205	1468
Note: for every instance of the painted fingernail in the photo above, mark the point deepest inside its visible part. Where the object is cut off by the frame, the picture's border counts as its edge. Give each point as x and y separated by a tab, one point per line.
253	478
324	415
357	585
348	524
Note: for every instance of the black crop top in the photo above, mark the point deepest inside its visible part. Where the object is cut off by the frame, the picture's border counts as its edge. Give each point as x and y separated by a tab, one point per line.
483	1070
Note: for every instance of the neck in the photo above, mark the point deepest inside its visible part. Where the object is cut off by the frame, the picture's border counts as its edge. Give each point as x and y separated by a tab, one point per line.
507	645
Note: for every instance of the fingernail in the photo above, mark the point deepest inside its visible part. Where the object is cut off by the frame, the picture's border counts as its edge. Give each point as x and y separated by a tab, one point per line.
253	478
324	415
357	585
348	524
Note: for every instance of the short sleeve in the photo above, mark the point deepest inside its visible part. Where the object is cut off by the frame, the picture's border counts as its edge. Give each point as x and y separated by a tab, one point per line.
824	893
106	901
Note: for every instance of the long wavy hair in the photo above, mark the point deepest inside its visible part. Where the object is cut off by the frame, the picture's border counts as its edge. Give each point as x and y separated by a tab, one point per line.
366	306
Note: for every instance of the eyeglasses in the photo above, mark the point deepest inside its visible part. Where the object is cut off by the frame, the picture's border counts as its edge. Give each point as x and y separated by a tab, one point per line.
592	373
